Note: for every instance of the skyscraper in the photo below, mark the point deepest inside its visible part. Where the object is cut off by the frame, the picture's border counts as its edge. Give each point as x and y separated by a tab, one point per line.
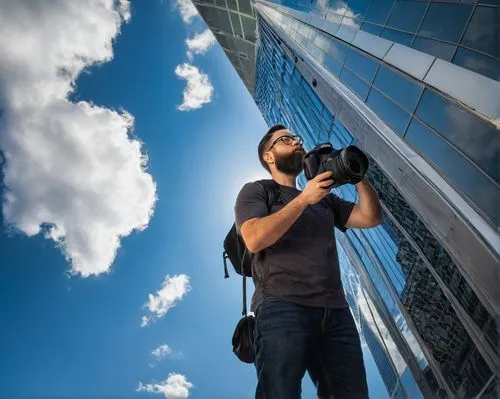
416	85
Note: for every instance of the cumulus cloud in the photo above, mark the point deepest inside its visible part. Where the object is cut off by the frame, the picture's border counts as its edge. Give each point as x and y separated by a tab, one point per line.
200	43
187	10
173	290
175	386
72	171
198	92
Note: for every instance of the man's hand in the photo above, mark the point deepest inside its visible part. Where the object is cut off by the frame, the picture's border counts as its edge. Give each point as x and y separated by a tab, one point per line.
317	188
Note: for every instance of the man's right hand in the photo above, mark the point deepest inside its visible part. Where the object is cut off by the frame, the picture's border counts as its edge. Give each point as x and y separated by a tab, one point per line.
317	188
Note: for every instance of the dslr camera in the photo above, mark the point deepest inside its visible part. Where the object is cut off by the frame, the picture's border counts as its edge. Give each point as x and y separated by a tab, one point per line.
348	164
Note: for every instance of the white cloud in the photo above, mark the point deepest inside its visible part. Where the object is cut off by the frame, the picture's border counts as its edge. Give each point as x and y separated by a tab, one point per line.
162	351
175	386
199	90
200	43
187	10
72	170
173	290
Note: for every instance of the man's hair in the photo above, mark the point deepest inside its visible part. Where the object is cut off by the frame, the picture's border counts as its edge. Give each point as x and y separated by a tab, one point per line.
263	142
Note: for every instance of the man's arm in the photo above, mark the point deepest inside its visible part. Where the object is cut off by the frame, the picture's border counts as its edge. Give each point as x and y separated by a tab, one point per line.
261	232
367	212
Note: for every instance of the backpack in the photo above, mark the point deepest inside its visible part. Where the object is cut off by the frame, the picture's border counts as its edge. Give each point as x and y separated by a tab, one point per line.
236	251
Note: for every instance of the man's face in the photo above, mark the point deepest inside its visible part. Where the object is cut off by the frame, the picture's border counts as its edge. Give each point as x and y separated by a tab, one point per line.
288	158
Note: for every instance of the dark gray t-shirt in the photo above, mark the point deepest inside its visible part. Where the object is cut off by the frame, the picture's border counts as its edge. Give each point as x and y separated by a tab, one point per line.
302	266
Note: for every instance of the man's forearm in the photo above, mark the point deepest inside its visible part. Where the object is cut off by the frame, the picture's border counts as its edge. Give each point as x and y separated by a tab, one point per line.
263	232
369	203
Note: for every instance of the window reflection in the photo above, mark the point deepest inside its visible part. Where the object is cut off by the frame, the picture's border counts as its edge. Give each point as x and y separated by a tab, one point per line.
397	36
406	15
467	178
480	63
355	83
483	32
371	28
399	88
475	138
362	65
436	48
390	113
379	11
445	21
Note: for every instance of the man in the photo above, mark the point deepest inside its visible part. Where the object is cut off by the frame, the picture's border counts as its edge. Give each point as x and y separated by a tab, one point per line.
302	319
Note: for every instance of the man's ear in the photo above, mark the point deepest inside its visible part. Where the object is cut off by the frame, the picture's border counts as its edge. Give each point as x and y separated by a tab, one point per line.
269	157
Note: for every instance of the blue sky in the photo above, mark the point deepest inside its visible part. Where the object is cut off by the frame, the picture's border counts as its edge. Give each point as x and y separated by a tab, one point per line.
106	255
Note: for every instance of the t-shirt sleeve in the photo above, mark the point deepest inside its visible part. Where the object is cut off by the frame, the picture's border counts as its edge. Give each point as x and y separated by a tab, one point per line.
250	203
341	211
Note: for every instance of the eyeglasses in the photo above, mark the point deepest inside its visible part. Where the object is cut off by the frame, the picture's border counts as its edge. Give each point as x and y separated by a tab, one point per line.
288	140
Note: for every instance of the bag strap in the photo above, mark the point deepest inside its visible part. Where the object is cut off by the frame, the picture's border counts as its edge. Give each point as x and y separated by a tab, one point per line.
273	193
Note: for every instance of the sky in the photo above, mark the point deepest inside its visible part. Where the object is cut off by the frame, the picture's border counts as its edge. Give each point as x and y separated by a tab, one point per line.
125	136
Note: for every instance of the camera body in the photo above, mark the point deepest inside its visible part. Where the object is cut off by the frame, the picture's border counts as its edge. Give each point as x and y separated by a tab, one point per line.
348	164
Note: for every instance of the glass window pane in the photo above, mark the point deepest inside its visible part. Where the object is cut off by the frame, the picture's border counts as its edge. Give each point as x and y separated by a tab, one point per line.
249	27
220	3
371	28
245	6
232	5
363	66
355	83
480	63
389	112
483	32
406	15
441	50
338	51
332	65
400	88
378	11
445	21
476	139
397	36
358	8
235	19
477	186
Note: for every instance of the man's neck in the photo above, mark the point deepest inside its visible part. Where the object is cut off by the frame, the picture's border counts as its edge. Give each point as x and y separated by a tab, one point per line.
285	180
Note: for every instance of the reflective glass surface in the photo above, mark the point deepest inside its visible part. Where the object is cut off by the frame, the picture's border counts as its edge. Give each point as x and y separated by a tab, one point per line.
477	62
379	11
445	21
433	47
364	66
465	177
355	83
475	138
372	28
399	88
406	15
397	36
393	115
483	32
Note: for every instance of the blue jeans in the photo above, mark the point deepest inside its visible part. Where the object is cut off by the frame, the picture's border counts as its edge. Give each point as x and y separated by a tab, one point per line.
290	339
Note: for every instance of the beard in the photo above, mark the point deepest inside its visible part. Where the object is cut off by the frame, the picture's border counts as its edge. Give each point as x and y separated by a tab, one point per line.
291	164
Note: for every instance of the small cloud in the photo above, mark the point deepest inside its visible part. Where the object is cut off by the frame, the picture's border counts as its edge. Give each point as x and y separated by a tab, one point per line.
187	10
176	386
162	351
200	43
173	290
199	90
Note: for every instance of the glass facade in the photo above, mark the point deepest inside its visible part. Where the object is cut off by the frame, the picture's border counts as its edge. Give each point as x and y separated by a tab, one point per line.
464	33
461	146
421	292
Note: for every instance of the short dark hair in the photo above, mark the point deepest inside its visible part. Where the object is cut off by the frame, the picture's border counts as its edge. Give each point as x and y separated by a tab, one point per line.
263	142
